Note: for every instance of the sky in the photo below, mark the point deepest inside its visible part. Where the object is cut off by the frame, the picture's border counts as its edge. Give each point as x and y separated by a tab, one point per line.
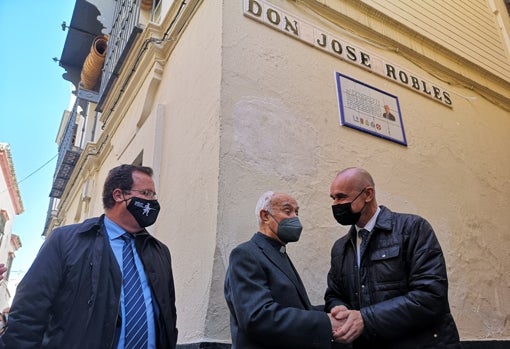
33	97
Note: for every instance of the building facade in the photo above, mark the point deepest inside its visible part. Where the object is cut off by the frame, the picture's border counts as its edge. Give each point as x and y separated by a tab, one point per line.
10	206
229	99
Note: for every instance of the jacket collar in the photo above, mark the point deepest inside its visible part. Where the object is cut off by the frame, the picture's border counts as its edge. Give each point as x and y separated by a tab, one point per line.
91	225
384	222
94	225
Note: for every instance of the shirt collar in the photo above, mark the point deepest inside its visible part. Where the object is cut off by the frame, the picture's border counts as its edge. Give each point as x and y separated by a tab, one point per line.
113	230
371	223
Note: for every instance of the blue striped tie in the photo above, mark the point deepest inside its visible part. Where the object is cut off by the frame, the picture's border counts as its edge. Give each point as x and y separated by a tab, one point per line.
135	320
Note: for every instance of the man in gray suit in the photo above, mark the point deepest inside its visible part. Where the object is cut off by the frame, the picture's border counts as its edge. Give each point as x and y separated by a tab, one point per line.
269	306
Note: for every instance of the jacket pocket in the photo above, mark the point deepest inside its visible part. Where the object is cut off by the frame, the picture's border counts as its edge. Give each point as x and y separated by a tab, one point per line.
387	266
384	253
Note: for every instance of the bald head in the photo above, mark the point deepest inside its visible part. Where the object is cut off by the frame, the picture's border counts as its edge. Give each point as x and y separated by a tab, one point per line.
358	177
355	185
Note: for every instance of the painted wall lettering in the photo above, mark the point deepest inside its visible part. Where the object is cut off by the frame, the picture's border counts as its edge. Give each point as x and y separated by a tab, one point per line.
276	18
341	49
401	76
271	16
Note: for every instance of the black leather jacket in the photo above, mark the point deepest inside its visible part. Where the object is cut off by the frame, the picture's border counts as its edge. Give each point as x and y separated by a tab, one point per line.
70	296
400	288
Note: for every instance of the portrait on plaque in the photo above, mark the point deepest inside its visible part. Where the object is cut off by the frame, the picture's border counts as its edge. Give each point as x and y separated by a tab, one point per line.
369	109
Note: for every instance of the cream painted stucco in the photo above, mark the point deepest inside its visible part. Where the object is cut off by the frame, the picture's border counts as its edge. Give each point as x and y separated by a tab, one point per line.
237	108
280	131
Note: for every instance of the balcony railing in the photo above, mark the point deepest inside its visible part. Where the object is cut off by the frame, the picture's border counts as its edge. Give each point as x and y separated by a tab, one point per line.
68	155
124	31
125	28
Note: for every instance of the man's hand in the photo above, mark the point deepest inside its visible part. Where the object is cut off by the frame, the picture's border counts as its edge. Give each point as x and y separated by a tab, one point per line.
3	269
352	324
336	324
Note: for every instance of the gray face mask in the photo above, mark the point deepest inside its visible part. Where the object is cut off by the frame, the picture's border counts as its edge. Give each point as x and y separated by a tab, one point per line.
289	229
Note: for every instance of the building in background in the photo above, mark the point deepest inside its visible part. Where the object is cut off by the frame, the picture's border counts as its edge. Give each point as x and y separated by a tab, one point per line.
229	99
10	206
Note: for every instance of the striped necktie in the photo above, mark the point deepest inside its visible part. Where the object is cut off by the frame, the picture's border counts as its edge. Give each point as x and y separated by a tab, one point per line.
135	320
363	233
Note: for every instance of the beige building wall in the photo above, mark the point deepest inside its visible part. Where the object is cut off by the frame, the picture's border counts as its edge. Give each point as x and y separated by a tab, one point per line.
11	205
169	119
280	130
475	30
232	107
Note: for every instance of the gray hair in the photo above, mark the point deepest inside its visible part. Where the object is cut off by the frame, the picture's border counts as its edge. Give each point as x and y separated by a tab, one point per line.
264	204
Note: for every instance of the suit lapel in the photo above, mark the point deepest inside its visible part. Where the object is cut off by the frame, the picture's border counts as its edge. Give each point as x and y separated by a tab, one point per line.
300	287
283	263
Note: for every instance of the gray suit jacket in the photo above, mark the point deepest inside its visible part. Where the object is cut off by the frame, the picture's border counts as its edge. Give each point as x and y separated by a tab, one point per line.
269	307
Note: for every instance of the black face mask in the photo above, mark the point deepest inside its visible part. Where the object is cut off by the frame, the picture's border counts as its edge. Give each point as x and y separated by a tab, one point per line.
343	212
145	211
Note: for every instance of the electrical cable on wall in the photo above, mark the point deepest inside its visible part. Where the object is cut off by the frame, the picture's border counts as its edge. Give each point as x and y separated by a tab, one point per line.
32	173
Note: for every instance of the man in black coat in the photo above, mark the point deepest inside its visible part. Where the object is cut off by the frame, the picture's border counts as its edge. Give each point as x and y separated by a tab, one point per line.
74	294
388	277
269	306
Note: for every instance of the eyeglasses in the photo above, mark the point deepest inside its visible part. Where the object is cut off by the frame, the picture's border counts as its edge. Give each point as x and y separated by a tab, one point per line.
146	192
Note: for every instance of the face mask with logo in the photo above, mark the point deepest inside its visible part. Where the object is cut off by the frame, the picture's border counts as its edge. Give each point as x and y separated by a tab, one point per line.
145	211
343	212
289	229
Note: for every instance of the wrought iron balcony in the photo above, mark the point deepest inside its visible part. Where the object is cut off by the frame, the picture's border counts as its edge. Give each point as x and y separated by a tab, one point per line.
125	29
68	155
85	27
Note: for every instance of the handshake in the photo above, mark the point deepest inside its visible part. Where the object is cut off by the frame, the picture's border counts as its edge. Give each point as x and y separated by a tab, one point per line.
347	324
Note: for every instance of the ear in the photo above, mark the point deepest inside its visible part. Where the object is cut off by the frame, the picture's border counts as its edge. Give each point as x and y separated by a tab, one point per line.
264	216
118	195
370	194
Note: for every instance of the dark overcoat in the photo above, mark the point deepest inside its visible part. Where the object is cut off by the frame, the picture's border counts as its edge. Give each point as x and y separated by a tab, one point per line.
70	296
269	307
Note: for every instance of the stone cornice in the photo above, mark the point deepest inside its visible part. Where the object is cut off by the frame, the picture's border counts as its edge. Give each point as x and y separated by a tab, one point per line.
10	177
